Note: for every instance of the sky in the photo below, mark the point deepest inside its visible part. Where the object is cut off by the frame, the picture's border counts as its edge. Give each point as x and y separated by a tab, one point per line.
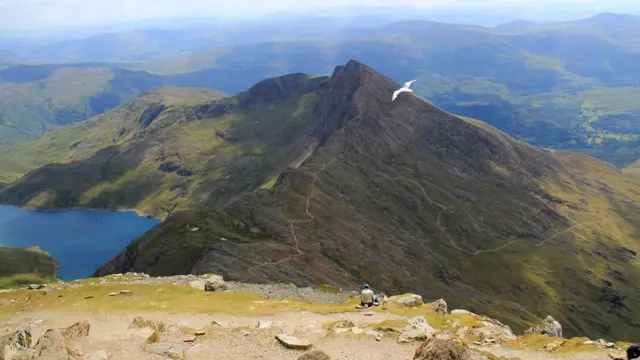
18	15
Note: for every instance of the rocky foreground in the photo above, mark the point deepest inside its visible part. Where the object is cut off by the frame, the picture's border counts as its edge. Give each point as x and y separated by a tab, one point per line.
134	316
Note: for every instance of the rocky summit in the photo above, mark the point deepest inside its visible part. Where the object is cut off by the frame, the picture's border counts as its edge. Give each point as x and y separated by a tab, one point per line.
177	318
323	180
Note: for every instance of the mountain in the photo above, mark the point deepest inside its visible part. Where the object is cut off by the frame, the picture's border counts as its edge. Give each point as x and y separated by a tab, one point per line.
323	180
35	99
565	90
25	266
633	169
617	28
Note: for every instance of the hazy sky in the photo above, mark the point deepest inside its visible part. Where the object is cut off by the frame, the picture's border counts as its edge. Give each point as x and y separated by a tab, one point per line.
38	14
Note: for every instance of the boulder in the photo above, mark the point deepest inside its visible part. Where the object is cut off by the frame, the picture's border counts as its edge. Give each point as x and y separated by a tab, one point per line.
440	349
494	329
215	286
293	342
76	330
314	355
549	326
439	306
410	300
172	351
418	329
52	346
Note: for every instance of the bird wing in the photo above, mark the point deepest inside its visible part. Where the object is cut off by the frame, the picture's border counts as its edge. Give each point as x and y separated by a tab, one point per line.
397	92
408	83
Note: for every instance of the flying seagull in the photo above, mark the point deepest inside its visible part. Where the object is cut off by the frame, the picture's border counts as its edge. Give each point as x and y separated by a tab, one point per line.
404	88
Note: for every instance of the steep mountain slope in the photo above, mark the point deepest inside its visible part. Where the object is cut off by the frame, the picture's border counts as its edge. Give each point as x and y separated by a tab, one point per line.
161	151
327	181
563	89
37	98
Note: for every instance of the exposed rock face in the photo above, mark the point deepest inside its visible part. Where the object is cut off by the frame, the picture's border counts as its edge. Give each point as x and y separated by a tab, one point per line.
439	306
549	326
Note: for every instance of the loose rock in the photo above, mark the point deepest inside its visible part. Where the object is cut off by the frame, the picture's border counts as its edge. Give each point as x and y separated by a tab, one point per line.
113	294
215	286
440	349
439	306
549	326
189	338
125	292
76	330
293	342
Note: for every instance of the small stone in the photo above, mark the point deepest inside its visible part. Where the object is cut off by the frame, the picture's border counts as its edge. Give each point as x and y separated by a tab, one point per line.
215	286
125	292
113	294
369	313
189	338
264	324
343	324
357	330
199	333
615	356
340	330
89	297
293	342
477	343
610	345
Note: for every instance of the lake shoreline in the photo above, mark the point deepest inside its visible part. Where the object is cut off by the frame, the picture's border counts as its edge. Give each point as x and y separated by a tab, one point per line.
136	211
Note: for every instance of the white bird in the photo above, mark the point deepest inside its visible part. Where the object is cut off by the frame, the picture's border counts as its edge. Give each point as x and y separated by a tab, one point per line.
404	88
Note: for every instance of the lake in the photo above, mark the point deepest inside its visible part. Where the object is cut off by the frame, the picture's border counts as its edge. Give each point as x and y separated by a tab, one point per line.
80	240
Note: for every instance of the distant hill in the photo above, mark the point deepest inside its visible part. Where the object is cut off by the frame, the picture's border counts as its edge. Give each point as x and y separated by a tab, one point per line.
25	266
567	90
312	180
620	29
37	98
633	169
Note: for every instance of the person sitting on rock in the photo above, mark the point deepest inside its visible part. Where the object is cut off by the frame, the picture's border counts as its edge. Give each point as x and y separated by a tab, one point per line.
366	296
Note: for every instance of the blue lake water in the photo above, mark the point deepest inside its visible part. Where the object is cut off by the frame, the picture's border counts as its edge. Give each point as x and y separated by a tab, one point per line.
80	240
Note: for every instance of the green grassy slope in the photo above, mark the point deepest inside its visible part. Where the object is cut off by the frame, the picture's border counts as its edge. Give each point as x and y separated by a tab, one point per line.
25	266
35	99
160	152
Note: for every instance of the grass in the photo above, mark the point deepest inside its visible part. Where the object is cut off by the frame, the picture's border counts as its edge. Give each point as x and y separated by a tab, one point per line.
19	267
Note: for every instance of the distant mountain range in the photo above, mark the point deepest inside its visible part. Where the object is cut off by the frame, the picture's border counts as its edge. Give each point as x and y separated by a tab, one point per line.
311	180
570	85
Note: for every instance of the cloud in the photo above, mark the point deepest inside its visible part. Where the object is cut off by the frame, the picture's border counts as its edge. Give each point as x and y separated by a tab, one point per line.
37	14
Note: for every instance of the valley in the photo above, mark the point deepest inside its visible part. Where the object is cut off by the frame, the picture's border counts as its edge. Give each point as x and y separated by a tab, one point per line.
134	164
299	176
